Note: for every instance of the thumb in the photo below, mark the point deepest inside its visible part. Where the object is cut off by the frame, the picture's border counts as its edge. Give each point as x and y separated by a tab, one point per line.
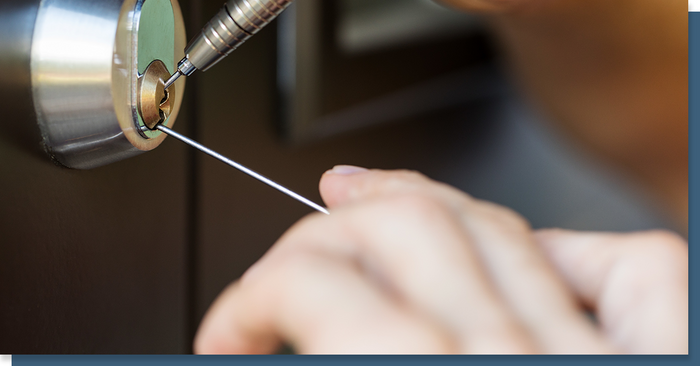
637	284
346	183
341	183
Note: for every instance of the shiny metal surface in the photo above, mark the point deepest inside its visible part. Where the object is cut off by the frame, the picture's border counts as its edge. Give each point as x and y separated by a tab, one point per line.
85	70
171	80
154	102
79	273
232	25
185	67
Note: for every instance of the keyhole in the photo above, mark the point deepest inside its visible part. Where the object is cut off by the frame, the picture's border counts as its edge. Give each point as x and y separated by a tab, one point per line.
166	95
163	104
155	103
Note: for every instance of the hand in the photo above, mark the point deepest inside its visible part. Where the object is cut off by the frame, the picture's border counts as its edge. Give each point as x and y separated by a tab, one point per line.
407	265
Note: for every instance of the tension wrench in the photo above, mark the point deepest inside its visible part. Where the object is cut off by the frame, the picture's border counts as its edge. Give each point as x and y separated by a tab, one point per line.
242	168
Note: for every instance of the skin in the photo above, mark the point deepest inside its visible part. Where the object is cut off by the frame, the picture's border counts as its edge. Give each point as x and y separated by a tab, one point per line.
408	265
405	264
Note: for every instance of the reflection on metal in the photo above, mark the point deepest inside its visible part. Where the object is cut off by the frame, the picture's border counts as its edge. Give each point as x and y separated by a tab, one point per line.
155	104
86	59
235	22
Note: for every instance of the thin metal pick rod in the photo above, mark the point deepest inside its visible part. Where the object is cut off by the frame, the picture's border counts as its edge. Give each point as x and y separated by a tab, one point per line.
172	79
240	167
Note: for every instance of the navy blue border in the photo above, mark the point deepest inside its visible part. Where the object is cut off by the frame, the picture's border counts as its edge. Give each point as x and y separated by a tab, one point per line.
187	360
694	135
694	159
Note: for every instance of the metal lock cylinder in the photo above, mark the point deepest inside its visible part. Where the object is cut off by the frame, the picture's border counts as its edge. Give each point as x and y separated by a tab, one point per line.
97	70
155	104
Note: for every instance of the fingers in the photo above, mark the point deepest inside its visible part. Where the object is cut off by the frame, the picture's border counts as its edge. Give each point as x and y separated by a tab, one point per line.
416	249
318	304
528	281
405	264
222	330
345	184
492	236
637	283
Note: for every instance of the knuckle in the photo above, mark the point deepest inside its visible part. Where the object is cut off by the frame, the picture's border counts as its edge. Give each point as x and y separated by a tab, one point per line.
503	217
305	225
403	179
417	206
662	245
649	254
666	237
410	175
296	266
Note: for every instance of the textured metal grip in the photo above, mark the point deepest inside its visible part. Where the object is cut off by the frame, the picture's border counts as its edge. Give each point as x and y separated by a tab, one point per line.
237	21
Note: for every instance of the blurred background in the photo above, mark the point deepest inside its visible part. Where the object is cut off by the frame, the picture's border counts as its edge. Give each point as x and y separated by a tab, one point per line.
129	256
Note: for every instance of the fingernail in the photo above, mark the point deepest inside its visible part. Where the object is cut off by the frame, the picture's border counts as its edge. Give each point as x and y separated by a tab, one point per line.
347	170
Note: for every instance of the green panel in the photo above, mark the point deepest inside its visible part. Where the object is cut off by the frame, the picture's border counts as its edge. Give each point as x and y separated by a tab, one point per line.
156	40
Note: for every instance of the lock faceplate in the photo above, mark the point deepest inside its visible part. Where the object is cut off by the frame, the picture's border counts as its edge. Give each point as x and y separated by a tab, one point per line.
87	61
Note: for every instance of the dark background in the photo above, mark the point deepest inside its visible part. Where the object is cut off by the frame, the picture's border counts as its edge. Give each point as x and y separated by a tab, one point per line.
88	264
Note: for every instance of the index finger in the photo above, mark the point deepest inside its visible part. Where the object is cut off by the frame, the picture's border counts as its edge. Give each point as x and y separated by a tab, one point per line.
317	304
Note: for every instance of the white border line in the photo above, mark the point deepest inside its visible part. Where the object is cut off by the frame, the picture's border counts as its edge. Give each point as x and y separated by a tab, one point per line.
693	5
5	360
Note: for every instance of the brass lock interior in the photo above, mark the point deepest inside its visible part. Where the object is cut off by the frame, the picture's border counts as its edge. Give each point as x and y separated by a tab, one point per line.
154	102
